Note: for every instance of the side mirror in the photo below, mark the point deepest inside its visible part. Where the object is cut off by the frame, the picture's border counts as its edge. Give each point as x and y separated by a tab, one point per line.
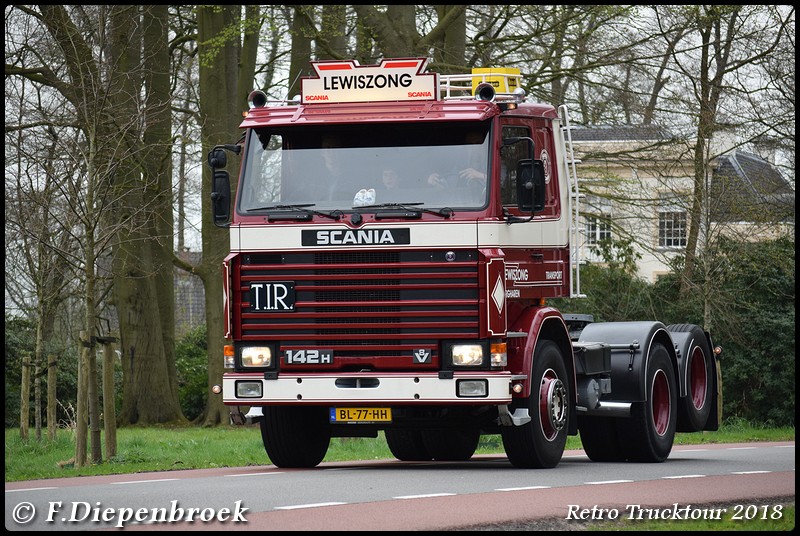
217	158
221	197
530	186
221	184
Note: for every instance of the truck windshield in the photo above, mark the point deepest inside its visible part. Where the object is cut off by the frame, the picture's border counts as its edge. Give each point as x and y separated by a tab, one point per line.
441	165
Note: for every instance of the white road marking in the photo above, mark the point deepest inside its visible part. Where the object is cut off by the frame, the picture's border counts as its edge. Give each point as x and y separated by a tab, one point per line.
526	487
147	481
750	472
257	474
425	496
315	505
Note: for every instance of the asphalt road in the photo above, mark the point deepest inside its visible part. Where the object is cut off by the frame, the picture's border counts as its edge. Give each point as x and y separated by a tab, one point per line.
485	493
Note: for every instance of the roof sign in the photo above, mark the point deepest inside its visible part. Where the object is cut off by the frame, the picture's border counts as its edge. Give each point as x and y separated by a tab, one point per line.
391	80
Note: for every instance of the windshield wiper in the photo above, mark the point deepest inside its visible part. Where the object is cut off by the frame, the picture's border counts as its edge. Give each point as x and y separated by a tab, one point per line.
412	208
303	209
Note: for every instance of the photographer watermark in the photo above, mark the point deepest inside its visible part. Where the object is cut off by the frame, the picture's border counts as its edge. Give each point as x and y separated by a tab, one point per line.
84	512
676	512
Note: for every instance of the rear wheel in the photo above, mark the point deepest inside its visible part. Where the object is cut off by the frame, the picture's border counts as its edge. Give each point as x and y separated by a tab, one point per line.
540	442
650	432
407	445
295	437
695	407
451	445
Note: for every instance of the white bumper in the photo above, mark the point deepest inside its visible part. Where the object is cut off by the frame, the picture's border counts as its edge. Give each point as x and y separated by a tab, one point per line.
360	388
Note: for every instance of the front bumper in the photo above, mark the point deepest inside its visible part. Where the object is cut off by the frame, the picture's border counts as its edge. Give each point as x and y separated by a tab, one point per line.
368	388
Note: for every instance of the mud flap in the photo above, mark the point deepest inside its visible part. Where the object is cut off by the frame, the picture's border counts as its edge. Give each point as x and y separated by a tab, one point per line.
237	417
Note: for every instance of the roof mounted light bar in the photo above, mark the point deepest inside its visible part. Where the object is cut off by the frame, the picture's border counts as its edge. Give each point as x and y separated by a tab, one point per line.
403	79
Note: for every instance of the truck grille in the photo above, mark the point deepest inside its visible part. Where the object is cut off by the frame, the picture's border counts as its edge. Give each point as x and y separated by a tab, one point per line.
364	305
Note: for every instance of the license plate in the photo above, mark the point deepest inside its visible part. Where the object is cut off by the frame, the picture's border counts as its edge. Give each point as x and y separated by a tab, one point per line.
360	415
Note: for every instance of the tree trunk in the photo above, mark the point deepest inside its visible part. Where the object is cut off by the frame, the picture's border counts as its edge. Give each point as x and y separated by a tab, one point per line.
142	297
226	78
714	58
157	138
222	98
300	52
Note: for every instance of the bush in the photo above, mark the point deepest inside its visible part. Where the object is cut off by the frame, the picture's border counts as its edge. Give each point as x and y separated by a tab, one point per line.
757	330
191	361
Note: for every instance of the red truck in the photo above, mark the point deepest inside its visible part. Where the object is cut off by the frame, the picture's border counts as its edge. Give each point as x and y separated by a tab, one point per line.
394	238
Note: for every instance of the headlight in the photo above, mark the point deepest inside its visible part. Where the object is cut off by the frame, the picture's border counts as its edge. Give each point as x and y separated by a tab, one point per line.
467	355
256	356
248	389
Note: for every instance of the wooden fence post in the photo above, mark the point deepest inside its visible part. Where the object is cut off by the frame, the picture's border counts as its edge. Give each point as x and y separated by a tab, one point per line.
81	412
52	425
109	407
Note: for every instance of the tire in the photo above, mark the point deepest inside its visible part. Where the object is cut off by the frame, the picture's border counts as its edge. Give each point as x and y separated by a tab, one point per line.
407	445
695	408
540	443
451	445
295	437
650	432
600	440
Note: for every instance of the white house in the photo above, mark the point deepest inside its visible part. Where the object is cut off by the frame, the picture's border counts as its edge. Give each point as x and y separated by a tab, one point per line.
637	181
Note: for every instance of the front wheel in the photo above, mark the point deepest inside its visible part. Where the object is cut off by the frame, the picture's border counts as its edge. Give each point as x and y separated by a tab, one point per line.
540	443
407	445
295	436
451	445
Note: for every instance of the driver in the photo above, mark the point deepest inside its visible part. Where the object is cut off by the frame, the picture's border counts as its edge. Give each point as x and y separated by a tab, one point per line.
471	163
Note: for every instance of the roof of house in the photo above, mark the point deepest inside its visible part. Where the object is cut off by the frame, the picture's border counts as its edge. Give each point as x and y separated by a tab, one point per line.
610	133
748	188
754	172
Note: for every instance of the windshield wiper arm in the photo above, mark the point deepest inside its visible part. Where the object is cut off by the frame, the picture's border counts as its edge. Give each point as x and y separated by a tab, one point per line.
304	208
445	212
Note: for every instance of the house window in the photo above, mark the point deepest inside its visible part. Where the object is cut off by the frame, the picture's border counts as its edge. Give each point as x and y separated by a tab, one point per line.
597	228
598	220
672	224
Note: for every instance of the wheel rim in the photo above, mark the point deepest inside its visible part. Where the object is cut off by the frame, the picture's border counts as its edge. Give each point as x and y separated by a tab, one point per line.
552	404
660	401
698	380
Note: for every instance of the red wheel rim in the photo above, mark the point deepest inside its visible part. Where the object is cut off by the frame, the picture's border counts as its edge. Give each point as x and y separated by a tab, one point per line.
660	401
698	380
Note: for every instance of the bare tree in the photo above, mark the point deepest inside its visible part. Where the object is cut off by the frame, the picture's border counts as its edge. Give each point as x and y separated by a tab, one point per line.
106	111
